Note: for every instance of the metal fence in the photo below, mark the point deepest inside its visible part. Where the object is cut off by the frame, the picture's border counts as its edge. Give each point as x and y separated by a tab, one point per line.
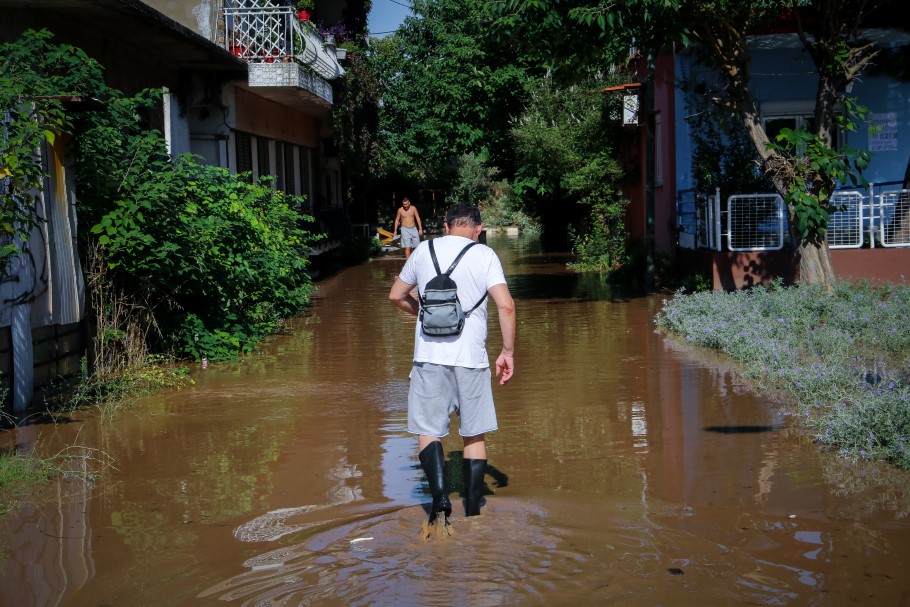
845	226
879	216
894	218
755	222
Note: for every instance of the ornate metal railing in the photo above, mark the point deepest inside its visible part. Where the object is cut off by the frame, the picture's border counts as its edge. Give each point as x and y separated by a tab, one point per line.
270	34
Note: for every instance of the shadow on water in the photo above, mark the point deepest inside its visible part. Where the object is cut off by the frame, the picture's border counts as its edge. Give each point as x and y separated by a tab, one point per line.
455	476
743	429
537	273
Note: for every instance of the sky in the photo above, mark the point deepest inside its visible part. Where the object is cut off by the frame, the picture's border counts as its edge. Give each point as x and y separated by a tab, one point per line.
386	16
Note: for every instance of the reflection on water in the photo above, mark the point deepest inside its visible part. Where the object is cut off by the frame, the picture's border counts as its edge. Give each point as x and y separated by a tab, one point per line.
629	469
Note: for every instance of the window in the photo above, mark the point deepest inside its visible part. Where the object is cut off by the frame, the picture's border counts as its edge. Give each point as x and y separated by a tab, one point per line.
288	178
795	115
244	148
263	157
306	179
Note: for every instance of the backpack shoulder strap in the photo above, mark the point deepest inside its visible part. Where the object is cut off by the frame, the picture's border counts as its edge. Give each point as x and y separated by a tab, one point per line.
477	305
457	259
433	256
452	267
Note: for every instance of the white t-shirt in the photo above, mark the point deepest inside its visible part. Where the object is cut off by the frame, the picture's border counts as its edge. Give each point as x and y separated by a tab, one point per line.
477	271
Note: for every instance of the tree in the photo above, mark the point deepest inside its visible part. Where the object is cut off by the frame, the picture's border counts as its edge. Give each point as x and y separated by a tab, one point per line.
567	147
804	167
446	89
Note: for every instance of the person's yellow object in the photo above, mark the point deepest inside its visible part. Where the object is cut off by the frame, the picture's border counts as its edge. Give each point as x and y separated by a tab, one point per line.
384	233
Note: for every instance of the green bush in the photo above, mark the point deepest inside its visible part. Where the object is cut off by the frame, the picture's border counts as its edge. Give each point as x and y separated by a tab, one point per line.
566	143
226	259
33	72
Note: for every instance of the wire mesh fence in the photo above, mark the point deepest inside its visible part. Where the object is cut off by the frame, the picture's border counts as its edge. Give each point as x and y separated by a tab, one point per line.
845	225
755	222
894	223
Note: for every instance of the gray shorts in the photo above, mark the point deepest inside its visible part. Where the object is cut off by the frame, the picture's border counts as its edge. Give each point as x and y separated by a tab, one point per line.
437	391
410	237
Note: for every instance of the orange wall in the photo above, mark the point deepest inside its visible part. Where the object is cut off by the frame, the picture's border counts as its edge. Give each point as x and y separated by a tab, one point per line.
665	192
876	265
266	118
738	270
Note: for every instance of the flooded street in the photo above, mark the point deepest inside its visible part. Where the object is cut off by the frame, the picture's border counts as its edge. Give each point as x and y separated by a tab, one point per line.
627	470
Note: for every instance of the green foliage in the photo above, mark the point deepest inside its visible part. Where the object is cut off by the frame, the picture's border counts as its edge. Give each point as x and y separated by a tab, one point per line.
475	179
556	37
476	183
449	85
31	68
842	357
24	475
816	169
696	283
601	247
225	258
566	143
18	475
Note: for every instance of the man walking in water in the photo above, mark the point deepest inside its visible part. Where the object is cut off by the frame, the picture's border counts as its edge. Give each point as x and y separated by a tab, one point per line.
452	373
411	228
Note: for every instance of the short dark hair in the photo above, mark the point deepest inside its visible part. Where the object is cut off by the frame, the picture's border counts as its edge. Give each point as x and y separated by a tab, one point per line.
466	215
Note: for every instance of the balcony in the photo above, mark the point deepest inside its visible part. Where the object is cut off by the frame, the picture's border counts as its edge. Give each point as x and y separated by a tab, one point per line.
284	54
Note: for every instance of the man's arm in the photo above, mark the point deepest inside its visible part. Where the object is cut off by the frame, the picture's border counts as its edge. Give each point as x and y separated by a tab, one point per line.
395	226
400	295
419	225
505	363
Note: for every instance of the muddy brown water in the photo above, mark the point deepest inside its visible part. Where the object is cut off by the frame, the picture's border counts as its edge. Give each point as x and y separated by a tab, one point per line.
628	470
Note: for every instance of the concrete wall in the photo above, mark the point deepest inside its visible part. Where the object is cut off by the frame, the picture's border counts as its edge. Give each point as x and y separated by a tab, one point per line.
201	16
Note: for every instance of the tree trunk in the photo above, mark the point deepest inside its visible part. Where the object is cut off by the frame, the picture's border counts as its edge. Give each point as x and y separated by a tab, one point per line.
814	264
813	257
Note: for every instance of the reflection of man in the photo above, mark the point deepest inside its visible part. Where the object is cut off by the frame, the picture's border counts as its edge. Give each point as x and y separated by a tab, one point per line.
411	228
452	374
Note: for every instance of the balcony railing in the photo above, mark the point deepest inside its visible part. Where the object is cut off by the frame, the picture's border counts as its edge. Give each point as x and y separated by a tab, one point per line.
272	34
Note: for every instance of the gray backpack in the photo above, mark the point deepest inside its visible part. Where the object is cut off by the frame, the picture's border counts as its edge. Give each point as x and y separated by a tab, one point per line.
441	314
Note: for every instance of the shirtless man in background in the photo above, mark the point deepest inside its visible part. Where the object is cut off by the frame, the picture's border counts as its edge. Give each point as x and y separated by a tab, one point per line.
411	227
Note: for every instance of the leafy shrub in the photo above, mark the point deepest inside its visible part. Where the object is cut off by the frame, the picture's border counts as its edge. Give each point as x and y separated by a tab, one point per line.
566	143
32	71
225	258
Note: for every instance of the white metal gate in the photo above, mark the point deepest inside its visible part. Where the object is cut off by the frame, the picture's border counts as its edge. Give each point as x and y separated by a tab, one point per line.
894	218
845	226
755	222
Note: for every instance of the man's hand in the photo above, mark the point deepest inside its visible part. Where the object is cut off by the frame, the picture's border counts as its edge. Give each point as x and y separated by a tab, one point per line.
505	366
400	295
505	306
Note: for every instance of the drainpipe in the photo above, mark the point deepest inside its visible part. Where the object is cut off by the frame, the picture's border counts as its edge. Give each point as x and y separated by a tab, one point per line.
21	329
650	264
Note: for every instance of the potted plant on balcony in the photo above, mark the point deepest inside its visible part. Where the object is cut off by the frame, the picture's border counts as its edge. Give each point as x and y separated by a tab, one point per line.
304	9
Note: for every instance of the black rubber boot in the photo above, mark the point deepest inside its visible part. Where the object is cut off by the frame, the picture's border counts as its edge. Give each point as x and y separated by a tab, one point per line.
432	460
474	470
